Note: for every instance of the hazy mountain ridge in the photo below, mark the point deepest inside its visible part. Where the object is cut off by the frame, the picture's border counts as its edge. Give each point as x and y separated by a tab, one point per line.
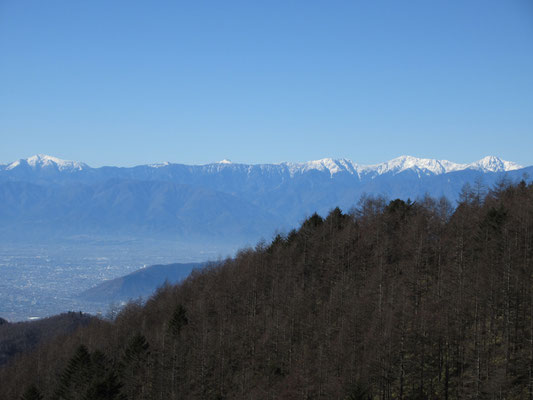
128	207
46	196
141	283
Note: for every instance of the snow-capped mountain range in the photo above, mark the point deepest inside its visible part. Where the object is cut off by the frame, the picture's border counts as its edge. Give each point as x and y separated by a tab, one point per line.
47	196
333	166
403	163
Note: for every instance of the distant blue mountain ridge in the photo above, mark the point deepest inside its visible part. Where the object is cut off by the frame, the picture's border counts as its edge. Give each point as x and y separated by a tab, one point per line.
141	283
46	197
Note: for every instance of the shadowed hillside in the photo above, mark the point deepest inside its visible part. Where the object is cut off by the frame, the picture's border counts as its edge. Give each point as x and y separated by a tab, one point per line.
21	337
140	283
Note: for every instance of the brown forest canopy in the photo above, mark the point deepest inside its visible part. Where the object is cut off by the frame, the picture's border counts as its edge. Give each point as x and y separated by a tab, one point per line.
397	299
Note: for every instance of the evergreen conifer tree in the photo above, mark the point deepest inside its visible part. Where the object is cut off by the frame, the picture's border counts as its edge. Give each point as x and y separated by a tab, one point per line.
32	393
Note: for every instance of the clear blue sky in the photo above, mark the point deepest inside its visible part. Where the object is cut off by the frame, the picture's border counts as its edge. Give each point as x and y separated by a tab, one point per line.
132	82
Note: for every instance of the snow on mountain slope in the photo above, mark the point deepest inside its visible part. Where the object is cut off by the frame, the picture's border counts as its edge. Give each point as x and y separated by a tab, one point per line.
421	166
494	164
424	165
44	161
400	164
325	164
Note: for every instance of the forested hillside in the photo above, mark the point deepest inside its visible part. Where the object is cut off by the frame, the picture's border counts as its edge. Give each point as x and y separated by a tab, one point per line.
20	337
396	300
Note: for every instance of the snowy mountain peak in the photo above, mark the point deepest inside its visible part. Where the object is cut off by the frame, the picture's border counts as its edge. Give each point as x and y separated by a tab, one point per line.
425	165
225	161
421	166
46	161
325	164
494	164
160	165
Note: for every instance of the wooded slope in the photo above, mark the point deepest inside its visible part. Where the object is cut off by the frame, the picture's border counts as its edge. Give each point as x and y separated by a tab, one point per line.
21	337
395	300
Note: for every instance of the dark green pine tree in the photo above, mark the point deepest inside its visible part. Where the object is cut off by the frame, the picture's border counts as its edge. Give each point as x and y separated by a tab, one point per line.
107	387
135	366
313	221
136	350
178	321
105	383
88	377
75	375
356	391
171	361
32	393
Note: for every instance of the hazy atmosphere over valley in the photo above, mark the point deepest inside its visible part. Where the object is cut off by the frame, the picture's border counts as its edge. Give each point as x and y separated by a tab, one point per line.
266	200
